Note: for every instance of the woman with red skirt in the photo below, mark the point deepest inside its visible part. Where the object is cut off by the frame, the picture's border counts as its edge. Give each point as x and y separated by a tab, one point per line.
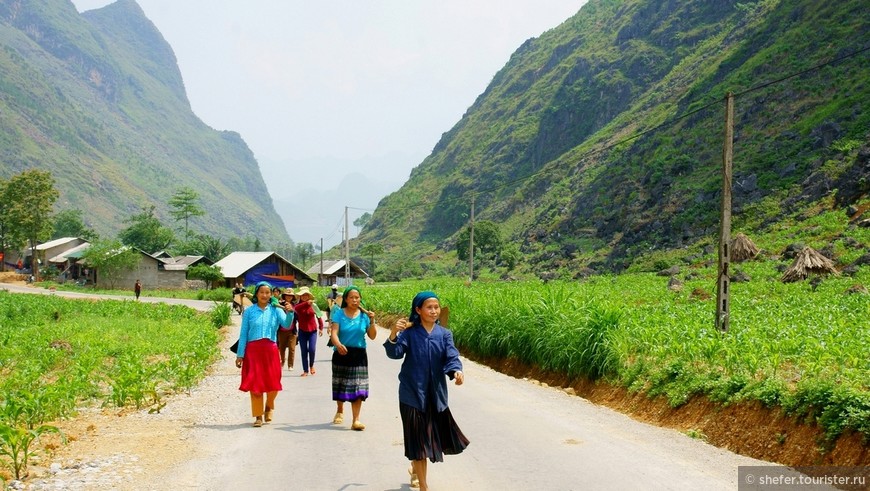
257	353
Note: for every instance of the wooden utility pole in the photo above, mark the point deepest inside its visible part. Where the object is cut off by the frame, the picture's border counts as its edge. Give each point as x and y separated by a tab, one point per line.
723	303
346	251
320	278
471	245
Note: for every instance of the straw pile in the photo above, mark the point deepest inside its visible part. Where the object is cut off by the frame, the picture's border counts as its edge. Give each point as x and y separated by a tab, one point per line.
742	248
808	261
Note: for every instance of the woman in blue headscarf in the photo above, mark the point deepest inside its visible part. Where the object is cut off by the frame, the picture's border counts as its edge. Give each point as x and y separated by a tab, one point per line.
430	358
257	354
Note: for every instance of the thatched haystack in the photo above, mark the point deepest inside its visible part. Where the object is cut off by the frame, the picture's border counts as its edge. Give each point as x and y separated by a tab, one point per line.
808	261
742	248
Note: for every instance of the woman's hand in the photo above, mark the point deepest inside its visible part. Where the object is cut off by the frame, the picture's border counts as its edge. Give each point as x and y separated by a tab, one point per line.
459	377
341	349
239	362
400	325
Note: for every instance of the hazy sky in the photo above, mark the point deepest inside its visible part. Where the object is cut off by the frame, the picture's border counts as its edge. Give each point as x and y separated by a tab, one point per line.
358	86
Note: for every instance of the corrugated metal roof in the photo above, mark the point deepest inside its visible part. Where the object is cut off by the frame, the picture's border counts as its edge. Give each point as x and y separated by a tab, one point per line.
74	253
237	263
329	267
186	260
54	243
332	267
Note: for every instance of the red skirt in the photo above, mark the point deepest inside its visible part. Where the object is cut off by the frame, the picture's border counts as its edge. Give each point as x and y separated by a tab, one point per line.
261	368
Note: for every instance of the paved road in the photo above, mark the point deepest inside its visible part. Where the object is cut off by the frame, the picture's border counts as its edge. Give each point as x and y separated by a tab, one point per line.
523	437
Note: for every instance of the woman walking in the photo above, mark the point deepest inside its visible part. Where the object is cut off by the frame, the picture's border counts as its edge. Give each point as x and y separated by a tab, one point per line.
308	322
287	335
257	353
349	327
430	358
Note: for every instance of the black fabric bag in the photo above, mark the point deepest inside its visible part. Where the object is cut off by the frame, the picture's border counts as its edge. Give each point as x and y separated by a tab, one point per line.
235	347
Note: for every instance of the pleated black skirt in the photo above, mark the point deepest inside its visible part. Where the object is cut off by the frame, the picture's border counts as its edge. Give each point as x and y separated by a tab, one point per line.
430	434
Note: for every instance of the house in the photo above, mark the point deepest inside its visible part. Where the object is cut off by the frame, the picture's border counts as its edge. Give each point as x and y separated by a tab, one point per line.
249	268
67	262
332	272
155	273
44	252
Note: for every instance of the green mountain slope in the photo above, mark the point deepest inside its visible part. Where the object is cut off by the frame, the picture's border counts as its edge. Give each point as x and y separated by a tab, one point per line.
602	139
97	99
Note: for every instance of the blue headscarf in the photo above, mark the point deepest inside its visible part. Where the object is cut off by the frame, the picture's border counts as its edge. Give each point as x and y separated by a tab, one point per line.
257	289
418	302
262	283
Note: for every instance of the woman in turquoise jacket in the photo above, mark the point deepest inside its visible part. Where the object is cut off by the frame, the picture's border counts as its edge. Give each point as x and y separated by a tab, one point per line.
257	354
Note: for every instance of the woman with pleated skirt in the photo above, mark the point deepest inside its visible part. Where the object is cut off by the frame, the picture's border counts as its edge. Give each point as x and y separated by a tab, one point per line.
349	326
430	358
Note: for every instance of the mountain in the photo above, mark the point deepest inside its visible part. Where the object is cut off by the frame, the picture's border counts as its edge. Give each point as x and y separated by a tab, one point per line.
602	139
97	99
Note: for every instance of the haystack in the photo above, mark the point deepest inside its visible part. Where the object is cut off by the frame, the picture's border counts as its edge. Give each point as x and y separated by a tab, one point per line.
808	261
742	248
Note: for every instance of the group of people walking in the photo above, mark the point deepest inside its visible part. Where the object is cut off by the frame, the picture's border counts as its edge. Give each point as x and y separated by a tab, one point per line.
426	347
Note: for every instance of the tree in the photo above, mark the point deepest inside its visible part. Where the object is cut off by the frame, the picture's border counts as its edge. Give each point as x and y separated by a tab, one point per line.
510	255
213	248
10	237
362	221
69	223
207	273
29	199
146	232
487	241
304	250
110	259
372	250
184	206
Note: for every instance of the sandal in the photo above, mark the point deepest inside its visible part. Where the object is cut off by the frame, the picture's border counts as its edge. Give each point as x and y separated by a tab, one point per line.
268	415
357	426
415	482
258	422
338	419
304	374
313	371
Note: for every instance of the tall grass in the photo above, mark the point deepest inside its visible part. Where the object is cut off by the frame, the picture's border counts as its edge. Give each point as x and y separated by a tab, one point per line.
805	350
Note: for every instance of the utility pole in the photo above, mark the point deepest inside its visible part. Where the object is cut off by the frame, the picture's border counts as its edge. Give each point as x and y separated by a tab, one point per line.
346	250
471	245
723	304
321	260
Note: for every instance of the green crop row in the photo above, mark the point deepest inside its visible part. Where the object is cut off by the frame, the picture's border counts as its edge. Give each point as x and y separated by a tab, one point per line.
58	354
802	348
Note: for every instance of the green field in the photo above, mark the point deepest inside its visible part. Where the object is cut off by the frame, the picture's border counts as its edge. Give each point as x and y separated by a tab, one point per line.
57	353
790	346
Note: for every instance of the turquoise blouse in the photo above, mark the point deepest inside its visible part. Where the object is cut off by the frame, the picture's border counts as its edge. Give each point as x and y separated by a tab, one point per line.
351	331
260	323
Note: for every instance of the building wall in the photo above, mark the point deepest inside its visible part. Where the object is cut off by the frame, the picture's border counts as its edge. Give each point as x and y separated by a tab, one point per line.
146	272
